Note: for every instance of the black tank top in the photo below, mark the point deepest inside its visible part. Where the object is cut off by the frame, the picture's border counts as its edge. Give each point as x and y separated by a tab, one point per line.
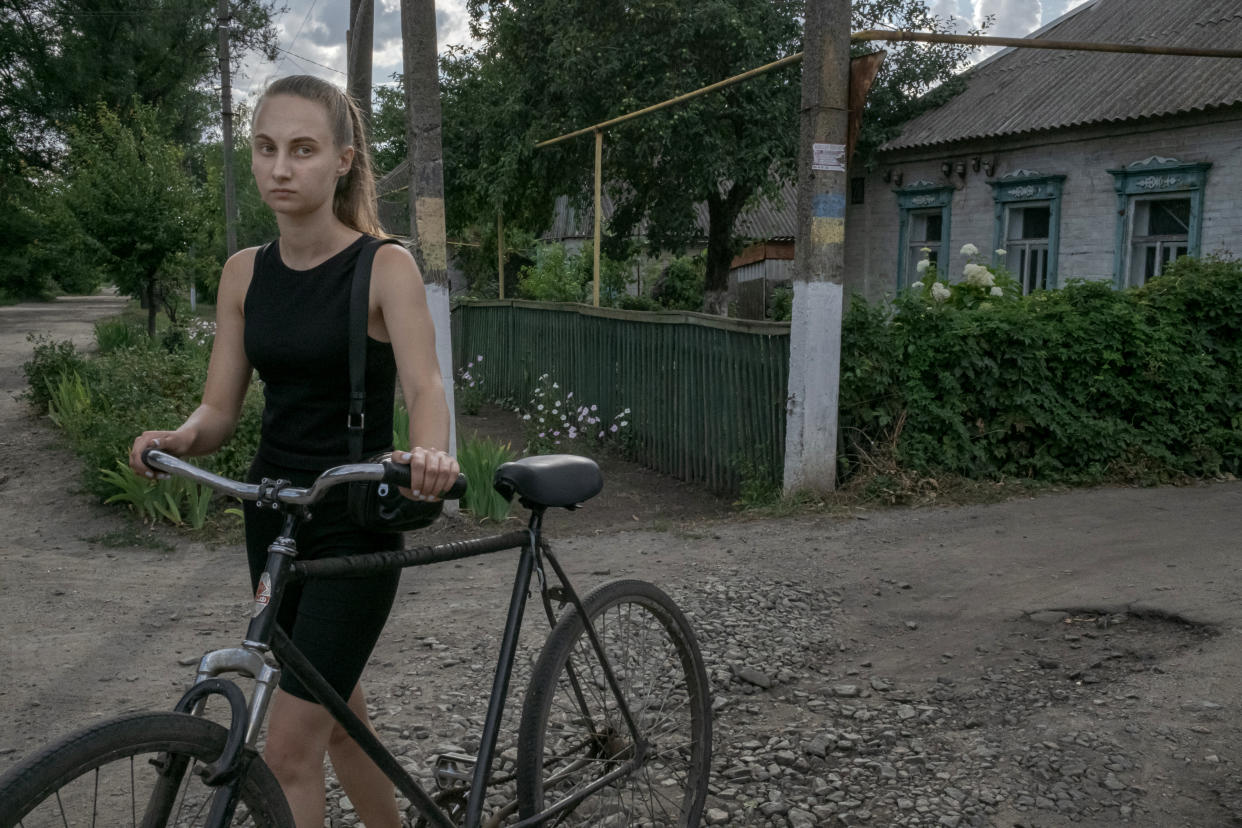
297	337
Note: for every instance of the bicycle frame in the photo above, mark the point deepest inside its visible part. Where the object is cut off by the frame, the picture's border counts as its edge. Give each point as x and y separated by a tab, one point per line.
264	635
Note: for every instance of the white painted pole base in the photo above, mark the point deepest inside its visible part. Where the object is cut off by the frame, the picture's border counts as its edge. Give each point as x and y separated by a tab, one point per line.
438	304
814	377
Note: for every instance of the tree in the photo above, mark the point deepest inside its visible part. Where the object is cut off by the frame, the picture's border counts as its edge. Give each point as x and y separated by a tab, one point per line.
546	67
914	78
58	58
135	203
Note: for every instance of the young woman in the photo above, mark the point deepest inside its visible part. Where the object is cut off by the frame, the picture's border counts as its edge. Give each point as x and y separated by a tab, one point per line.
283	310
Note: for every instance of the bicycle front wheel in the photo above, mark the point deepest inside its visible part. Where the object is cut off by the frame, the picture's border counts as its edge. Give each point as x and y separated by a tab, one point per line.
572	733
139	770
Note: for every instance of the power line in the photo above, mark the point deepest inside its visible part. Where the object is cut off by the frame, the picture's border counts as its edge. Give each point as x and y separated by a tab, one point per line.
298	34
308	60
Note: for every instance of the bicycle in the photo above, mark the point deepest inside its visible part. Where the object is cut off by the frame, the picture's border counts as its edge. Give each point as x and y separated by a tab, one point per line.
615	726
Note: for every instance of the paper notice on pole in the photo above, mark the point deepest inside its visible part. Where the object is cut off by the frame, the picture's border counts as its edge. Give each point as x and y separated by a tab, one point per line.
830	157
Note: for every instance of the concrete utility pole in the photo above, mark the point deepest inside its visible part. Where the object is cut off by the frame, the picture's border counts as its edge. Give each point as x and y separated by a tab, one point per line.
422	129
223	25
815	331
359	45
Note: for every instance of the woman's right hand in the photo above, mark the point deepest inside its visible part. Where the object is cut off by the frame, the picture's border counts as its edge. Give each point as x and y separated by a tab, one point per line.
175	443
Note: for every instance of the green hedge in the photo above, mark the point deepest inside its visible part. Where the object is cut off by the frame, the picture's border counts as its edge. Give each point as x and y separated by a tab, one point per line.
1082	384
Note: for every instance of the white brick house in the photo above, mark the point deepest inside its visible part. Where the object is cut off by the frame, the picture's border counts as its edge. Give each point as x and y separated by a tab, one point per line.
1081	165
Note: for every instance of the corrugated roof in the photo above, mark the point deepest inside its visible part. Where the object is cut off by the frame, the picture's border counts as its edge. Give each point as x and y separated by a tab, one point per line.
1027	90
770	219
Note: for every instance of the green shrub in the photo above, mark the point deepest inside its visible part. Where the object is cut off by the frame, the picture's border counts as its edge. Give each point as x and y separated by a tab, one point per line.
681	285
780	304
479	458
103	403
115	334
1082	384
638	303
551	278
50	361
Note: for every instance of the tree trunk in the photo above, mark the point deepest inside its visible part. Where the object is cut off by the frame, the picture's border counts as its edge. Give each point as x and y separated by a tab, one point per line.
722	212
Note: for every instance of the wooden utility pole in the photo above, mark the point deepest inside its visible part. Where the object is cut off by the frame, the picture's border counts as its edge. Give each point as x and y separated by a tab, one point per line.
422	129
359	45
815	331
223	25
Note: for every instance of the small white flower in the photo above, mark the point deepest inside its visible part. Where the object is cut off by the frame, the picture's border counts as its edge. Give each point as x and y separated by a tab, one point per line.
539	407
613	428
1000	251
969	249
922	266
570	395
940	292
924	249
527	417
996	291
600	435
594	407
624	423
556	385
626	411
479	358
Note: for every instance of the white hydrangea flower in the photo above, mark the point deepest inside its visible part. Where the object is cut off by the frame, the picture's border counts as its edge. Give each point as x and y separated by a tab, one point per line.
922	265
940	291
996	291
1000	251
969	249
978	275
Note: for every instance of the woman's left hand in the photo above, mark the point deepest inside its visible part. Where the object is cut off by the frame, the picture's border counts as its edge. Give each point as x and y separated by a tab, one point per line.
432	472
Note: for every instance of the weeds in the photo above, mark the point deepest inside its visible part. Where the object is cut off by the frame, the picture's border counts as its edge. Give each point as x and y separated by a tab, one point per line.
479	459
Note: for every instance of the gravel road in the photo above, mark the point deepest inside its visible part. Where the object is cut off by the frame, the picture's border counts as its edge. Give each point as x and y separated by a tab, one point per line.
1064	660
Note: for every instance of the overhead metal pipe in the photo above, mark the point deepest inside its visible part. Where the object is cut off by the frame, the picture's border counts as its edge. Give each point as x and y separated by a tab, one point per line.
1030	43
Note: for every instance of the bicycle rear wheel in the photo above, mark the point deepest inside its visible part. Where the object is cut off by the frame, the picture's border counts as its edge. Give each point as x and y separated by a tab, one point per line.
572	732
106	775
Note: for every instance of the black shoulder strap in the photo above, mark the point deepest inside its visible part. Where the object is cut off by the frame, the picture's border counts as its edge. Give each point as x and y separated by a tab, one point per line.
359	302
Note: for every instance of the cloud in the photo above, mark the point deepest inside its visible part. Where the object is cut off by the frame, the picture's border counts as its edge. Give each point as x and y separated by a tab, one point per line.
312	36
1013	18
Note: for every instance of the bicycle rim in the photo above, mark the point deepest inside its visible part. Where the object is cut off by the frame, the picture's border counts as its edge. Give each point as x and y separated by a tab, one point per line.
573	733
118	774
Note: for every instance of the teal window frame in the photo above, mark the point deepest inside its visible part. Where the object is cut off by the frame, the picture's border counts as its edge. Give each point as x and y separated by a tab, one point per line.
1026	186
919	197
1156	176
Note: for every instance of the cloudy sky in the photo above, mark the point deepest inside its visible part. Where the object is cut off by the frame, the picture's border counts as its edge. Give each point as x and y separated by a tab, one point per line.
312	33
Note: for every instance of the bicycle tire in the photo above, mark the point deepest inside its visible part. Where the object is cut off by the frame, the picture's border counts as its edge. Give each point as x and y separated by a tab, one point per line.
659	668
101	776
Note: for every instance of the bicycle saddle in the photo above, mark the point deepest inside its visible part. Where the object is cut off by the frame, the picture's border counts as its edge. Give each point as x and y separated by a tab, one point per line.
550	479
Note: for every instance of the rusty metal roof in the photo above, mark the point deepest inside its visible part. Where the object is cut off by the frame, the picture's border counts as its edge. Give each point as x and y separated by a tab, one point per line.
1028	90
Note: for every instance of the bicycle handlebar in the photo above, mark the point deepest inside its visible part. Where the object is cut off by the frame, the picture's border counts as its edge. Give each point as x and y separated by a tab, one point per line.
394	474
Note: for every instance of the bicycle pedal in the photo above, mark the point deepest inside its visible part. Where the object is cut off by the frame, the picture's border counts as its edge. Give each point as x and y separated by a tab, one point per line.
454	770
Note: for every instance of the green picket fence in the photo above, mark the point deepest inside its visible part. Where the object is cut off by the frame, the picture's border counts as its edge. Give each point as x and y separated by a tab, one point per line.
706	394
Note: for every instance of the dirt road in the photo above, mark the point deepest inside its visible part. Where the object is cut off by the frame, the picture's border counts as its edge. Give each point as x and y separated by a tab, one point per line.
1065	660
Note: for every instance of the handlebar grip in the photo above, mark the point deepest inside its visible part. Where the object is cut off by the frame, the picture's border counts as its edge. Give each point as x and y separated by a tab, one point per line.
399	474
146	455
